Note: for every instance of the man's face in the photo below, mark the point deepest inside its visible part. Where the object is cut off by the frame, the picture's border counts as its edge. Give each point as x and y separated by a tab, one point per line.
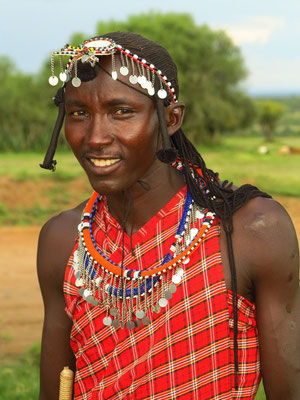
113	131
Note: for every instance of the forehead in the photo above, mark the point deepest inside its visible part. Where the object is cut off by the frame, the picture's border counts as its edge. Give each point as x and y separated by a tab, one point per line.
104	87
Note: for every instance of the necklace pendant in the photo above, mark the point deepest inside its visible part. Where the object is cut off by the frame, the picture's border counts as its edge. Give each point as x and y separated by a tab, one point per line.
140	314
146	321
138	323
116	323
130	325
168	295
107	321
114	311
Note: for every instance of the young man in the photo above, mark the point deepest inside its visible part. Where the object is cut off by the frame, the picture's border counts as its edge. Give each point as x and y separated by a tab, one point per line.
166	283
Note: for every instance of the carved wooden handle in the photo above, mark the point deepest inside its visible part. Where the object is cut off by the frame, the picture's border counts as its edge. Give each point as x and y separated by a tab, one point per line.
66	384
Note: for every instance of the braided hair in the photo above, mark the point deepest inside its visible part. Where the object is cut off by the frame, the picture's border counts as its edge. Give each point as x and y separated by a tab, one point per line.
218	197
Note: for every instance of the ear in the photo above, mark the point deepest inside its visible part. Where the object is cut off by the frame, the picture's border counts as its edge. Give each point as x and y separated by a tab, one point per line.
174	114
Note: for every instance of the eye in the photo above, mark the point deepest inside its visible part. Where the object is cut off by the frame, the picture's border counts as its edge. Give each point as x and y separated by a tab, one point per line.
78	113
123	111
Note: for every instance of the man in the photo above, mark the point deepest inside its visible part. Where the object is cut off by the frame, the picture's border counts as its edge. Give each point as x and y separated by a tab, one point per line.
166	283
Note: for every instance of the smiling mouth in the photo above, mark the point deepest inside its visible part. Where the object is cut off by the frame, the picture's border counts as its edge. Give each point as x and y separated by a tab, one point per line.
104	163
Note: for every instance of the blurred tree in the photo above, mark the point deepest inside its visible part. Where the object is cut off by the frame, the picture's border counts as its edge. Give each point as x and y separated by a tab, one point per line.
210	69
269	114
23	109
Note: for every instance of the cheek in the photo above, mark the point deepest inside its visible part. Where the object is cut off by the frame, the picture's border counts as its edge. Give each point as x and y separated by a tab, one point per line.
73	136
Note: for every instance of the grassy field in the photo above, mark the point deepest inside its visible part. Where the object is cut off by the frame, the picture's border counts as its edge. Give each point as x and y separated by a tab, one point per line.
237	159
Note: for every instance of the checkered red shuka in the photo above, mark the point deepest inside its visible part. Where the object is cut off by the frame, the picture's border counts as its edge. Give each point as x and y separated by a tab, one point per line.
187	350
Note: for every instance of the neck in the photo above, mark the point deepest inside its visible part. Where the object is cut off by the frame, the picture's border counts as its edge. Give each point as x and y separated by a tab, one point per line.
151	193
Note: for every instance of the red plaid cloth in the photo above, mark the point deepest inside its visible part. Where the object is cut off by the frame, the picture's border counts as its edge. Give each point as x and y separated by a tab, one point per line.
187	350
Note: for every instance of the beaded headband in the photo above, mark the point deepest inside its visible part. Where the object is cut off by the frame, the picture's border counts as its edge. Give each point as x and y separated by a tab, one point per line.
140	71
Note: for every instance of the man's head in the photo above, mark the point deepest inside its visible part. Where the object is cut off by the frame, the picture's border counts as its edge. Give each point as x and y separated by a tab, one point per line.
135	62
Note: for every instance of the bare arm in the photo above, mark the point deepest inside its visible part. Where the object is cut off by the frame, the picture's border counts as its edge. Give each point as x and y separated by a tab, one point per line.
274	260
56	242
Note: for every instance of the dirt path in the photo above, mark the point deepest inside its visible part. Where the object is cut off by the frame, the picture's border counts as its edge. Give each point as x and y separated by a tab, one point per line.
21	310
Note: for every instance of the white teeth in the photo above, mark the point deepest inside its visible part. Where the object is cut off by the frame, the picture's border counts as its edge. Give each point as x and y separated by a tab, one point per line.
104	163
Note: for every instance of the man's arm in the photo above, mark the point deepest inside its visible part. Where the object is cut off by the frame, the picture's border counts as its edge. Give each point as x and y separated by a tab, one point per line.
274	260
56	242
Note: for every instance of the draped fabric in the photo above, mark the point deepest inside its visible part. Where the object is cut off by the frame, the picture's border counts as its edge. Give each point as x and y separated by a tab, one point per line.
187	350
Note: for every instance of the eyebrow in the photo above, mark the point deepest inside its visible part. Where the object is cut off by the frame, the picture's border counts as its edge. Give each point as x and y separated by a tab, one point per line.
74	102
113	102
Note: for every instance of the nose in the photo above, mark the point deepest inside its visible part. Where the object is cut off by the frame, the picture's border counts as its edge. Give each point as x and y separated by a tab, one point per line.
99	132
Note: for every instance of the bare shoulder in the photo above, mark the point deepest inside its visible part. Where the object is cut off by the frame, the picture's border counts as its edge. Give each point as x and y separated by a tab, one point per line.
56	242
265	233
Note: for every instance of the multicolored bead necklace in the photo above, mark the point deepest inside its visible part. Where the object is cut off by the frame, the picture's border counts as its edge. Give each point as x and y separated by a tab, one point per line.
127	295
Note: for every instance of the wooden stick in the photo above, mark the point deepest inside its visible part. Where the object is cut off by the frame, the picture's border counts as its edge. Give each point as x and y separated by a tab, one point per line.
66	384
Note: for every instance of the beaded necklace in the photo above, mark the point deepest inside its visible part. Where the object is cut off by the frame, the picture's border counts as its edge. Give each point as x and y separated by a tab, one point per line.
129	296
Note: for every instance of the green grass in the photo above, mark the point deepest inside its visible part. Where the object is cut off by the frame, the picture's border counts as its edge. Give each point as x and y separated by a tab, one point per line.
237	159
25	166
19	380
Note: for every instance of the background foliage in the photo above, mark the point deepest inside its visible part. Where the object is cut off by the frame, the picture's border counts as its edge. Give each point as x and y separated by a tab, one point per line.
210	70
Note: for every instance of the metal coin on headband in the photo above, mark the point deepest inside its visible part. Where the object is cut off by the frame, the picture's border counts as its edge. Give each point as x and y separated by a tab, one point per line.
76	82
53	80
133	79
124	71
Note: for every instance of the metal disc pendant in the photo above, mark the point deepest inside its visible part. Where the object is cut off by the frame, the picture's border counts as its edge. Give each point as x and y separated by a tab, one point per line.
76	82
130	325
53	80
140	314
107	321
80	291
79	282
88	299
114	75
180	271
157	308
124	71
113	311
94	302
172	288
84	58
133	79
176	279
163	302
151	91
144	85
138	323
162	94
168	295
146	321
115	323
63	76
87	293
77	274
